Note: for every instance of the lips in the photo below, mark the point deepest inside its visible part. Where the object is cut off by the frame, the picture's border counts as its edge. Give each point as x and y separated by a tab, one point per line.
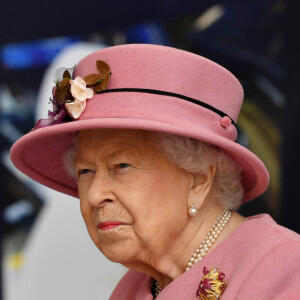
109	225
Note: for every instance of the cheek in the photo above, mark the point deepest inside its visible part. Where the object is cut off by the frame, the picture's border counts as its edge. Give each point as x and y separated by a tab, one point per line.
86	212
171	190
85	208
170	203
157	204
137	193
84	184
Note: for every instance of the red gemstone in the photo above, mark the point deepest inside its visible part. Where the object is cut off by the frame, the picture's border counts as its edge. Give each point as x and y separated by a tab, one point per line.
204	286
221	276
205	271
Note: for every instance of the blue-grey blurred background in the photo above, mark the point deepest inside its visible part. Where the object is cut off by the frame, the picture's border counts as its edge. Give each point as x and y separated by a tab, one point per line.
257	40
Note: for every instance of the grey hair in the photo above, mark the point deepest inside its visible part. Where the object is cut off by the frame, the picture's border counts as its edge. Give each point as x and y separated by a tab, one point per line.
193	156
69	158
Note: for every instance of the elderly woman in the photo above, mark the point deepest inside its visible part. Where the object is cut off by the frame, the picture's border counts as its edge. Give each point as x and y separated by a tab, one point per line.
145	136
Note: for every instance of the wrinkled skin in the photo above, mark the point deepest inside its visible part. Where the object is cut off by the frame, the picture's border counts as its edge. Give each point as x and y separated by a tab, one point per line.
123	177
147	195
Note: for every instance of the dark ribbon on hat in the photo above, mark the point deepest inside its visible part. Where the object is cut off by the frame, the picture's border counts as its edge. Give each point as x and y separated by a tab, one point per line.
163	93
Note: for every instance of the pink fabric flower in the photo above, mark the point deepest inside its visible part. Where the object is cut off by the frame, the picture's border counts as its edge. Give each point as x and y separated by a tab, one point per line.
76	108
80	93
79	90
70	95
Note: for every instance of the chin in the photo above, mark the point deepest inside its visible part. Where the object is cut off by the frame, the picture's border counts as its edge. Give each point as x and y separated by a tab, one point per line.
119	245
119	252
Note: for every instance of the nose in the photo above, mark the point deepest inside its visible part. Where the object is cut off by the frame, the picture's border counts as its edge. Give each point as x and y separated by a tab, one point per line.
100	191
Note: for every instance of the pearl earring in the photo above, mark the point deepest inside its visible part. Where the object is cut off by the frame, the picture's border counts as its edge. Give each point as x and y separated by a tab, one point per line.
193	210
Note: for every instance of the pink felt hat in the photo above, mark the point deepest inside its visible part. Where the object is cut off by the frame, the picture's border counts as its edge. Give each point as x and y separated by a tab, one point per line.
151	88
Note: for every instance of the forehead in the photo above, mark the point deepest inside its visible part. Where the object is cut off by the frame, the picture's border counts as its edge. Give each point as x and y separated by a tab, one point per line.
115	140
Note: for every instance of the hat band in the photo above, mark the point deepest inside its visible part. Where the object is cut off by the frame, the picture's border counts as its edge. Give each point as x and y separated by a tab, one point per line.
157	92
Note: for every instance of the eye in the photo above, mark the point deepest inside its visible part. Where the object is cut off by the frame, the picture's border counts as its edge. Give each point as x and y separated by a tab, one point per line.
122	166
84	171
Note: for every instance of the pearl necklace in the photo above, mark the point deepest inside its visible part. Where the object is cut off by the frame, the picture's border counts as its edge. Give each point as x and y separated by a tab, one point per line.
210	238
157	289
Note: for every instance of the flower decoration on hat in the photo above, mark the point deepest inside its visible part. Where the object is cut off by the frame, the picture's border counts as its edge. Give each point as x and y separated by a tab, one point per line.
212	284
225	121
71	95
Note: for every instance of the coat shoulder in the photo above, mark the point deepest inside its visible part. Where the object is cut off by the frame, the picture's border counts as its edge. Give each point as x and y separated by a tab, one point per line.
131	284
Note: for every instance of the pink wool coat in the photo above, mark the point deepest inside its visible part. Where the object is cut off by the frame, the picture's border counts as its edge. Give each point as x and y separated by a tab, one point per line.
260	259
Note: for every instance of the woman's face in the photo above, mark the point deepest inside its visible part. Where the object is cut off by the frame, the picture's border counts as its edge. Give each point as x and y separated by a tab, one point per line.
133	200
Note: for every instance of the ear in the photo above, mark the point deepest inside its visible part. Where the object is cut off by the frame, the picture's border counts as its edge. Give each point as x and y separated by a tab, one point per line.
201	186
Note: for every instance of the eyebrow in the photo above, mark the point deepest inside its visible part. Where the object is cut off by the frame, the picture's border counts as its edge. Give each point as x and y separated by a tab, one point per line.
128	150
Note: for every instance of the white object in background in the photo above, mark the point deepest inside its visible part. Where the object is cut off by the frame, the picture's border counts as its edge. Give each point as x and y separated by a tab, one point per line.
61	261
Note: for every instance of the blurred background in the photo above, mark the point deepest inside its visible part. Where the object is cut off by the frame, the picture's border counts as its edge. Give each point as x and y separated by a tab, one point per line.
46	252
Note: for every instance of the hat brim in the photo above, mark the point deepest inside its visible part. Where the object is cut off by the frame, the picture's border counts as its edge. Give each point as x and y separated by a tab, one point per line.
39	153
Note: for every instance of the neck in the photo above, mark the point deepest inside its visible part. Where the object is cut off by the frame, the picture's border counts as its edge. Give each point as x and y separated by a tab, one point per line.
166	266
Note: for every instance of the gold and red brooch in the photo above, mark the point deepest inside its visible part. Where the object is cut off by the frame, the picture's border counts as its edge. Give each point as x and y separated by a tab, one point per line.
212	284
